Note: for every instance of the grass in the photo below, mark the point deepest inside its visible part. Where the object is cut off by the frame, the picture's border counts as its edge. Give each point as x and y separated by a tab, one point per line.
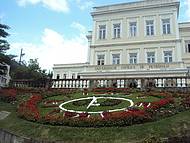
172	126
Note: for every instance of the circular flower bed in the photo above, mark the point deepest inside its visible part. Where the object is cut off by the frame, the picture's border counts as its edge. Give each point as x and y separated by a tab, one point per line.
72	108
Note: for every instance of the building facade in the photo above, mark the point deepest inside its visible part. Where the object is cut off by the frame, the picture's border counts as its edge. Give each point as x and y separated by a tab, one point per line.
137	39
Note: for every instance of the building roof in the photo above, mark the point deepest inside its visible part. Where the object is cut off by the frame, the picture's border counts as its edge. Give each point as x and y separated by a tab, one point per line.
72	65
184	27
134	6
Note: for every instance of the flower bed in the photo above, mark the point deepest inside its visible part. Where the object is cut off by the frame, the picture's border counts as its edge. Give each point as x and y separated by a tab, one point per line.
186	102
120	118
28	109
141	112
161	103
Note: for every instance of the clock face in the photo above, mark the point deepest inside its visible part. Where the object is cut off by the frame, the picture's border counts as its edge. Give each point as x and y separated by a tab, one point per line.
94	105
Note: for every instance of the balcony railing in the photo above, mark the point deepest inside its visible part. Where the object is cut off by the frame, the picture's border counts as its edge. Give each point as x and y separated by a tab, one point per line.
159	82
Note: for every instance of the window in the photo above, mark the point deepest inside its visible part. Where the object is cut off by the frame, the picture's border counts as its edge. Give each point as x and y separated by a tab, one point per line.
149	27
64	76
167	56
58	76
187	47
133	29
166	26
133	58
115	59
102	31
100	59
150	57
116	30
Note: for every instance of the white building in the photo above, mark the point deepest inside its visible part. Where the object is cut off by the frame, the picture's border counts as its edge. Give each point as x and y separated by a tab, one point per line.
137	39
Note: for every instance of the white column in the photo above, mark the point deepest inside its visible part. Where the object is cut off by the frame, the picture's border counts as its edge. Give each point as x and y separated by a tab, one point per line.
108	62
159	83
139	83
142	55
92	57
175	25
140	27
178	82
109	29
178	52
156	83
124	56
159	55
183	82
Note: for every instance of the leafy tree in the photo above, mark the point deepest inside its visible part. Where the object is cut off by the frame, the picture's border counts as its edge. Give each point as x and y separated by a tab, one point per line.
30	71
33	65
4	45
4	58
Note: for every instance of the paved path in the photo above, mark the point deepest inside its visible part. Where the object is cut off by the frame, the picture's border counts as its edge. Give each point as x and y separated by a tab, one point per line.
4	114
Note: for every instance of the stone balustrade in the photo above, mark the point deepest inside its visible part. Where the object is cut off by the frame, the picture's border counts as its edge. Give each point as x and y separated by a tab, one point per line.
156	82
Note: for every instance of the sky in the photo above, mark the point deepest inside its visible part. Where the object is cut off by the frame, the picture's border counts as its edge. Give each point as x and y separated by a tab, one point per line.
54	31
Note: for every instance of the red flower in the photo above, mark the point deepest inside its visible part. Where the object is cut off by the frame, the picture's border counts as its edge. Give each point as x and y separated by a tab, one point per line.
161	103
69	114
83	115
28	109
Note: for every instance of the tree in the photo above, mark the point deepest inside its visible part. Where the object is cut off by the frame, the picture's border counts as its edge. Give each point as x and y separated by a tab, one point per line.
30	71
33	65
4	45
34	68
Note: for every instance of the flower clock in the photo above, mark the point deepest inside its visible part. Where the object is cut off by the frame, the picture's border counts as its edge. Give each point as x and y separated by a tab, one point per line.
93	102
95	110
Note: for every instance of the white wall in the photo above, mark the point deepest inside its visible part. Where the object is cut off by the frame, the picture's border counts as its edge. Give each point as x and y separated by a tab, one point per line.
185	36
141	43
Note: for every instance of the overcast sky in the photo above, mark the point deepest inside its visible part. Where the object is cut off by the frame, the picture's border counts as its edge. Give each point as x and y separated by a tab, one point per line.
54	31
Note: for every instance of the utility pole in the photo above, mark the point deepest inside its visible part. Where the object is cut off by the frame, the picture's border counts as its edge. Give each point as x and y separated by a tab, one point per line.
21	55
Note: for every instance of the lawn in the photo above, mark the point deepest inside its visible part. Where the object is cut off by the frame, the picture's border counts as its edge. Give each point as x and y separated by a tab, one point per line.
176	125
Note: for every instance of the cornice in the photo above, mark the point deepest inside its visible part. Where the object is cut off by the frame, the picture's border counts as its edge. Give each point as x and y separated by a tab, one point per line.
73	65
184	27
135	43
148	4
135	72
